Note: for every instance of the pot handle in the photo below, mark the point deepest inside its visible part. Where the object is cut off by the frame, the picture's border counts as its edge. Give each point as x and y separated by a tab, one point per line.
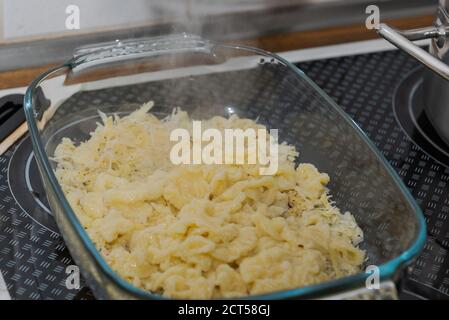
402	40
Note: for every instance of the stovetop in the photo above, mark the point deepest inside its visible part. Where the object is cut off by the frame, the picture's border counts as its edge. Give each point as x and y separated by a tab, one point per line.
33	257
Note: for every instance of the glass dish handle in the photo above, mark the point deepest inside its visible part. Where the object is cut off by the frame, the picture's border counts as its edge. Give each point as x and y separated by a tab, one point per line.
142	47
387	291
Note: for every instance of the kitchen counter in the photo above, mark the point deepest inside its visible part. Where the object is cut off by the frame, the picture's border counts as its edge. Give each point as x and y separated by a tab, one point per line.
275	42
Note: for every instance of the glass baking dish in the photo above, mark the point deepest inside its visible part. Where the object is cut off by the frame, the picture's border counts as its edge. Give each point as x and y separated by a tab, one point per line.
206	79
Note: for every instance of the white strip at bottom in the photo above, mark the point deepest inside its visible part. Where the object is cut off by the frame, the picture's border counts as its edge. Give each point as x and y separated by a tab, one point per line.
4	294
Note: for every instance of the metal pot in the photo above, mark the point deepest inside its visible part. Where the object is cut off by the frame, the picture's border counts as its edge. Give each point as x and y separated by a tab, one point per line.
436	76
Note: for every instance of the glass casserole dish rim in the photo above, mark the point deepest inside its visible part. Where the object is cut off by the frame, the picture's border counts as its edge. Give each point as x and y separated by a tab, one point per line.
386	270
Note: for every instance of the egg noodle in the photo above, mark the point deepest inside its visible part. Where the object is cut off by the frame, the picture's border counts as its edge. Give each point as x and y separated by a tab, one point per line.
203	231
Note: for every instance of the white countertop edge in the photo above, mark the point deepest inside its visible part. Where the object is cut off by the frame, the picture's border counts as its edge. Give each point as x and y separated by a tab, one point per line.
19	90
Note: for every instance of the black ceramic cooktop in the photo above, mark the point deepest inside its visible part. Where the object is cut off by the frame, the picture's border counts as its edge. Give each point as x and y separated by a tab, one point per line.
33	257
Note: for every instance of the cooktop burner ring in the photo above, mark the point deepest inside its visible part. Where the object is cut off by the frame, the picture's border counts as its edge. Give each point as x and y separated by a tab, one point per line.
408	108
29	186
26	186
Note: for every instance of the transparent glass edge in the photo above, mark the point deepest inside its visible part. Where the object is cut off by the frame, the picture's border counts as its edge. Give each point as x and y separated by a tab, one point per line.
387	269
418	244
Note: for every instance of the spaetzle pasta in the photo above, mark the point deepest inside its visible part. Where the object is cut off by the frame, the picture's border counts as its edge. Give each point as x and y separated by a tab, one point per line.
203	231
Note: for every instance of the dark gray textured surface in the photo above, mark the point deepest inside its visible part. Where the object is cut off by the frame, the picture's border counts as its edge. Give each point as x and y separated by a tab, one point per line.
364	86
33	258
